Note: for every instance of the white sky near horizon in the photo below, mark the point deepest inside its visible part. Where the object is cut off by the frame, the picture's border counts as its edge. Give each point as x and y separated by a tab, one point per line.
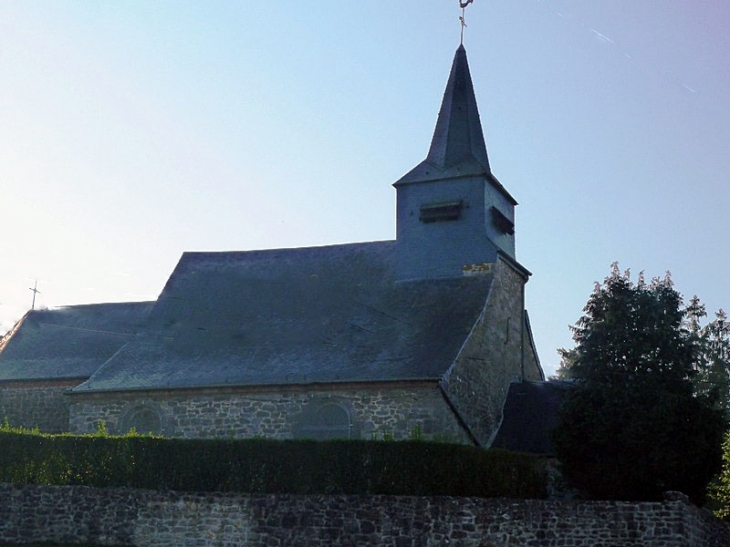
133	131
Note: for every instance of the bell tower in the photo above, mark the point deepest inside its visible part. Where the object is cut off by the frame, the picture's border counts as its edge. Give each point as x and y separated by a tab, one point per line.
452	215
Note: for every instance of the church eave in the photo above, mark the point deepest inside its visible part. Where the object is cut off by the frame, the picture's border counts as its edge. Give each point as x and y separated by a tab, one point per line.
263	388
498	185
427	171
519	268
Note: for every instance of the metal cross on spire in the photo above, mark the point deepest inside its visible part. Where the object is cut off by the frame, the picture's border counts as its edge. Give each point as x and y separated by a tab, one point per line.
462	17
35	291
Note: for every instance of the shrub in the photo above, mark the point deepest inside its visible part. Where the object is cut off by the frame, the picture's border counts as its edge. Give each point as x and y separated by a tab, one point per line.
268	466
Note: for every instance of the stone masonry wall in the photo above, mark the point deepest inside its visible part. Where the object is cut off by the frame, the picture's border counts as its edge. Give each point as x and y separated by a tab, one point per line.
160	519
386	412
491	359
73	514
43	407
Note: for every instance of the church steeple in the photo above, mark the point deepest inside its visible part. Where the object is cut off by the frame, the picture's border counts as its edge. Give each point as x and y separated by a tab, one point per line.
457	146
453	215
458	137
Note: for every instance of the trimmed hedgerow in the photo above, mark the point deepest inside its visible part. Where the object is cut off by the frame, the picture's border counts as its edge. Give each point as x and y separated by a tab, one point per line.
268	466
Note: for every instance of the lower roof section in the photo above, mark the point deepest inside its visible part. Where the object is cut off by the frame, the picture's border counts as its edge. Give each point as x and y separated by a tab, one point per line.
70	342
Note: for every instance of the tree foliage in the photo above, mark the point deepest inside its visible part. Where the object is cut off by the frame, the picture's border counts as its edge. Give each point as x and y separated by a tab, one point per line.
713	362
720	491
635	426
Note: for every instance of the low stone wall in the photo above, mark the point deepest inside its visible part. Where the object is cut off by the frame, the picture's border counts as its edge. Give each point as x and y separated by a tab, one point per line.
162	519
70	514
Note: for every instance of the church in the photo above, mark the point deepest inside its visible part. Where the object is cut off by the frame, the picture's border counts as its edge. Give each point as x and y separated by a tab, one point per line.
418	337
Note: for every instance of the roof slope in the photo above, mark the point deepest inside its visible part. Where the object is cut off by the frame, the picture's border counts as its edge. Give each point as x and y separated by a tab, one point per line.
70	342
296	316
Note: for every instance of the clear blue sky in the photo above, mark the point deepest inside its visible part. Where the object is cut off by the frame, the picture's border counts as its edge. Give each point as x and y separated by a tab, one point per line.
133	131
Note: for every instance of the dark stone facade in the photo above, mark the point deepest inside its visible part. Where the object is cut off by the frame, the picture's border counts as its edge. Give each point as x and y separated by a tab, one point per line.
37	405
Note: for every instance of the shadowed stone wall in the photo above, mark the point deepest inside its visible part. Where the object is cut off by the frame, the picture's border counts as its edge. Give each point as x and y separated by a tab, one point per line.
160	519
41	406
492	357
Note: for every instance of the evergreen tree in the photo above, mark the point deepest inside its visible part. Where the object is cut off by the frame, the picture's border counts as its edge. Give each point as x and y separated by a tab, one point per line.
720	491
567	360
714	365
634	426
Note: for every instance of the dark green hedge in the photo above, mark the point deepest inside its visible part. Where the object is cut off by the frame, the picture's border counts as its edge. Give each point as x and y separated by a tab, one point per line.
267	466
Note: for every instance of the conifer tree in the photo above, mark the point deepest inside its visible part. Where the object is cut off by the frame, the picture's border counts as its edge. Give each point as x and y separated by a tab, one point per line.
720	490
634	426
714	363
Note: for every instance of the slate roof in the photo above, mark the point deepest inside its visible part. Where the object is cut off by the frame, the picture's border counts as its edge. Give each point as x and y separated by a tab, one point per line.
458	136
296	316
530	413
69	343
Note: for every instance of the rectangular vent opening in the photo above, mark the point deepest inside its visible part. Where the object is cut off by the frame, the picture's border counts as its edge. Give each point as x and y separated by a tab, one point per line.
503	224
440	212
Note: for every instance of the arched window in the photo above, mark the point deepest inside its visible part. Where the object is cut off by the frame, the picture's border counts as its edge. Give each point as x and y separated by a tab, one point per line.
324	421
143	419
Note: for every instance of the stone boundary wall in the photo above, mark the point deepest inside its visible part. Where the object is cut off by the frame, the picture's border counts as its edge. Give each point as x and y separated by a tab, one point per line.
119	516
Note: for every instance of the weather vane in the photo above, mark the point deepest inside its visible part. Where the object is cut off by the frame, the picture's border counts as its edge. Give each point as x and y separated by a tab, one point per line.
462	17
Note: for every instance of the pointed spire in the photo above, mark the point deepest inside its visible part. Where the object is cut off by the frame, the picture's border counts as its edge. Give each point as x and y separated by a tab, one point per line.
458	136
457	147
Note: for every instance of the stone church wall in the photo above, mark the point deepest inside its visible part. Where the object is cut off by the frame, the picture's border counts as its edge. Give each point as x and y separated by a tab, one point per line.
72	514
44	406
395	412
492	357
